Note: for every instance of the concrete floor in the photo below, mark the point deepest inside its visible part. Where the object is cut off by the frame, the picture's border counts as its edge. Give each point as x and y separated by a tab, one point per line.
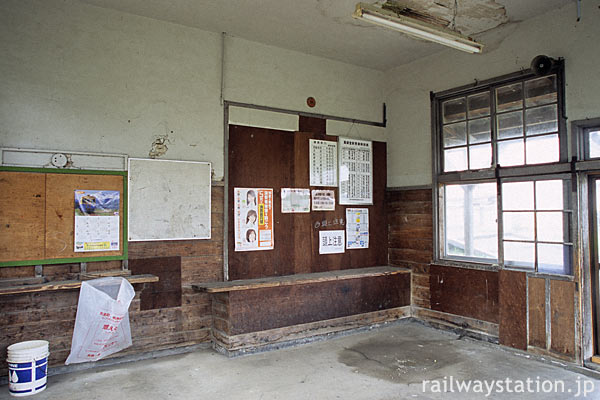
387	363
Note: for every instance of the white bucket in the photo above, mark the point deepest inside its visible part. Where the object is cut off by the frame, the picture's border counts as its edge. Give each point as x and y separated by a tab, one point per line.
27	367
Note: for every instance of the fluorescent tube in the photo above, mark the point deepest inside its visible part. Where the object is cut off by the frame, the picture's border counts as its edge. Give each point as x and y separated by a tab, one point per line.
416	28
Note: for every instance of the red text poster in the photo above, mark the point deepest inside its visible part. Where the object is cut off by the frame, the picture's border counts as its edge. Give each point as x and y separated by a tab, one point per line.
253	219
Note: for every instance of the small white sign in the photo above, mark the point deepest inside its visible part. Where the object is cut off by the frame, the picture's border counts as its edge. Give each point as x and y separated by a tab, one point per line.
331	242
295	200
323	200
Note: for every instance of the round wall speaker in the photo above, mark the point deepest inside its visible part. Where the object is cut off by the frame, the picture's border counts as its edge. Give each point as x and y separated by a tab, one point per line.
541	65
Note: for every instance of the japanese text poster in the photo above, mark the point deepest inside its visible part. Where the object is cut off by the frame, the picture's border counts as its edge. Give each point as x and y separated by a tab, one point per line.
357	228
96	220
323	162
331	242
356	171
295	200
323	200
253	219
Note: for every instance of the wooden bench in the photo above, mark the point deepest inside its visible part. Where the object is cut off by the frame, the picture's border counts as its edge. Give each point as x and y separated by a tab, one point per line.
37	286
256	314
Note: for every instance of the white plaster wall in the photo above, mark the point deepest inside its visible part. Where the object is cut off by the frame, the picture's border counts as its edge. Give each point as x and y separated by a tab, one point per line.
269	76
82	78
556	34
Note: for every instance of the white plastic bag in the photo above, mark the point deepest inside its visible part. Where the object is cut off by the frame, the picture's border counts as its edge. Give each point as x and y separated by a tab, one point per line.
102	321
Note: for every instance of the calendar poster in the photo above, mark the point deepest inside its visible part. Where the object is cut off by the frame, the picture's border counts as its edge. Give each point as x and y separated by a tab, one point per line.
97	220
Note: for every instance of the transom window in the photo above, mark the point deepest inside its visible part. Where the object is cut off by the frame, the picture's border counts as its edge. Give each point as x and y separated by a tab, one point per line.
501	173
467	133
519	121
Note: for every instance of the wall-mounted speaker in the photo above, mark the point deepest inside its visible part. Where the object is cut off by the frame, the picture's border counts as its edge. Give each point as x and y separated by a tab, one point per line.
542	65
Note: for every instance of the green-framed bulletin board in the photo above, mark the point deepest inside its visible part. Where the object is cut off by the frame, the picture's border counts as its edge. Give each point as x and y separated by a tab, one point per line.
37	216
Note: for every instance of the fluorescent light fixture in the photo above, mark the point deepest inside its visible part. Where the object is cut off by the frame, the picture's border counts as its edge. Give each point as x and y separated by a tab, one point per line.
416	28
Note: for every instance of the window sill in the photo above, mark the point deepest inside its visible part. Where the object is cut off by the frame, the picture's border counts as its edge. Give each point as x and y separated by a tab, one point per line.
466	265
497	268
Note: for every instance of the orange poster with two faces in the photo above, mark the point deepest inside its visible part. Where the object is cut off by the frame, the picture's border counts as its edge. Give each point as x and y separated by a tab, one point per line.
253	219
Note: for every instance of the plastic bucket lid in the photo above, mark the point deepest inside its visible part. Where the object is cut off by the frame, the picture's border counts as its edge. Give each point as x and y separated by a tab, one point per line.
27	350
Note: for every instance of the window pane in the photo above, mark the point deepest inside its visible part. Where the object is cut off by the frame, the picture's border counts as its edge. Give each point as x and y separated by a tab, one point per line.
480	156
540	91
517	196
455	159
549	195
519	254
550	227
518	226
510	125
594	143
455	134
541	120
471	220
479	105
554	258
479	131
509	97
542	149
454	110
511	152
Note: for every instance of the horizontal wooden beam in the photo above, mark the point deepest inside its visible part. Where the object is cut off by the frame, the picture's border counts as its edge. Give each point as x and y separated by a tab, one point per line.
67	285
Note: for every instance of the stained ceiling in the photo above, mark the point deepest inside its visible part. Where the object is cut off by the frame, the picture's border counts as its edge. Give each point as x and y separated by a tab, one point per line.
326	28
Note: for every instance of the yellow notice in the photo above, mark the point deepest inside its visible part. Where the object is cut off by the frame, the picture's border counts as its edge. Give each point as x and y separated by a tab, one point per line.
89	246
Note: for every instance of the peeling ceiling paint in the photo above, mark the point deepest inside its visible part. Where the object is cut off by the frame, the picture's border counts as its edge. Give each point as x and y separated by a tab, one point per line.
472	16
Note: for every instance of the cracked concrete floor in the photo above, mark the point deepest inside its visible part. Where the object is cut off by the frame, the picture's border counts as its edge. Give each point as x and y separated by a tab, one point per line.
386	363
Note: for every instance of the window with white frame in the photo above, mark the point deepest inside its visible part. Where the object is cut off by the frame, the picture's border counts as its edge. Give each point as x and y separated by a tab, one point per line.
502	178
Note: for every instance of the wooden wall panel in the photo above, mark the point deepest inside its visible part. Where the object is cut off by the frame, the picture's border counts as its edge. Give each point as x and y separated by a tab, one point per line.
167	291
537	312
60	214
513	309
312	124
291	305
308	257
284	163
410	238
262	158
466	292
562	317
22	208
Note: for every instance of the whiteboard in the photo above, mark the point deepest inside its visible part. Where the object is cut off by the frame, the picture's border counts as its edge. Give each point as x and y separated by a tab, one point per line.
168	200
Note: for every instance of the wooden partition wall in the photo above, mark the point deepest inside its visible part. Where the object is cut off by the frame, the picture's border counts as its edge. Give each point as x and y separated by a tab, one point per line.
267	158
